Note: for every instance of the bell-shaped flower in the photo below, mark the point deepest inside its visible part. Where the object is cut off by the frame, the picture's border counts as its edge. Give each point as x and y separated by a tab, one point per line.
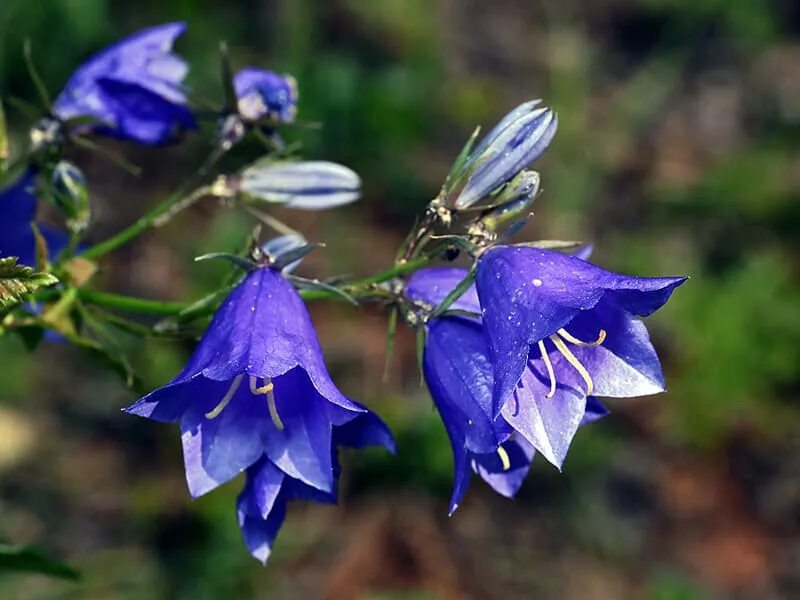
257	386
17	212
310	185
515	142
558	324
460	375
263	94
133	87
261	506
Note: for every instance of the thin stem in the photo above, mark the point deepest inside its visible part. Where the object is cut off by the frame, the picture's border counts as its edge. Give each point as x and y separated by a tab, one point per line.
357	288
159	211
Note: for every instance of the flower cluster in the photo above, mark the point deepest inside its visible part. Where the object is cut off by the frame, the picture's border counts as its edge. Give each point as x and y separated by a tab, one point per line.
519	344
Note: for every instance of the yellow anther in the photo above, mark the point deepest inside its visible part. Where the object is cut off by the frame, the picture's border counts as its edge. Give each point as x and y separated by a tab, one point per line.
601	337
504	459
573	360
267	390
549	366
237	381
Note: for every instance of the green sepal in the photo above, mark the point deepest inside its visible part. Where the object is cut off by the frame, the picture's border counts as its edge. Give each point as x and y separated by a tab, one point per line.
391	331
458	165
234	259
316	284
422	338
454	294
17	281
30	559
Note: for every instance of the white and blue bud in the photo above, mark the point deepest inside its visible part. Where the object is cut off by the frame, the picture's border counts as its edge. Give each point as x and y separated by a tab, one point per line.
515	142
309	185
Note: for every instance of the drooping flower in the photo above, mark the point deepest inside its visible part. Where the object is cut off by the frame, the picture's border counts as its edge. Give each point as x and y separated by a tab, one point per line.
257	389
133	87
516	141
261	506
556	322
17	212
459	373
264	94
309	185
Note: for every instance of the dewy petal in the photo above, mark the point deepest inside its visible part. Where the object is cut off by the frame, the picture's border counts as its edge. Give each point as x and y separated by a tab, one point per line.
549	424
216	450
262	329
433	284
505	481
459	375
528	294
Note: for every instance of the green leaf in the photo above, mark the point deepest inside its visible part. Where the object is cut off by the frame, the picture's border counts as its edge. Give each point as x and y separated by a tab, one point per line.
38	82
17	281
226	74
29	559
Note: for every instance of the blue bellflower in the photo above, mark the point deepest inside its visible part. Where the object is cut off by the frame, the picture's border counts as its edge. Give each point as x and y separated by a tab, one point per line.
459	374
256	395
264	94
558	325
133	87
18	211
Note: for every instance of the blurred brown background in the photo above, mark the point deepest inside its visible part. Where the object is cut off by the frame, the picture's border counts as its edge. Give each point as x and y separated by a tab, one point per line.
676	154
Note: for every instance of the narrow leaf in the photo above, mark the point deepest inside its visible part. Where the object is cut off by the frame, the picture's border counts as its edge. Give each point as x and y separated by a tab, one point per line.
454	294
38	82
391	330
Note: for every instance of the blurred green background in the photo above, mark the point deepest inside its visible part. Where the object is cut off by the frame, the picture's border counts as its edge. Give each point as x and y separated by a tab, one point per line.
677	153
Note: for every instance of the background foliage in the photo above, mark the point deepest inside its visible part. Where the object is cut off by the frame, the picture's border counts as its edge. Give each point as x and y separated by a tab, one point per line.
677	153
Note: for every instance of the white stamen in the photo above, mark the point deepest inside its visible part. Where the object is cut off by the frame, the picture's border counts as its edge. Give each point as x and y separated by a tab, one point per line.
504	459
215	412
573	360
268	390
601	337
549	366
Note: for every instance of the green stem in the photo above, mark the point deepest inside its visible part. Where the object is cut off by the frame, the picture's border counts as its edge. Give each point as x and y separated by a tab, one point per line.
161	212
156	307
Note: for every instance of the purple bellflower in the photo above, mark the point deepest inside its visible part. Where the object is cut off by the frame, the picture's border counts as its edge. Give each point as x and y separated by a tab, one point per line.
560	327
256	396
264	94
459	374
133	87
18	211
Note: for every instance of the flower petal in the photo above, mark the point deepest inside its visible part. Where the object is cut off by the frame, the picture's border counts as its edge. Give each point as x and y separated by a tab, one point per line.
459	375
432	285
217	449
528	294
505	481
549	424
